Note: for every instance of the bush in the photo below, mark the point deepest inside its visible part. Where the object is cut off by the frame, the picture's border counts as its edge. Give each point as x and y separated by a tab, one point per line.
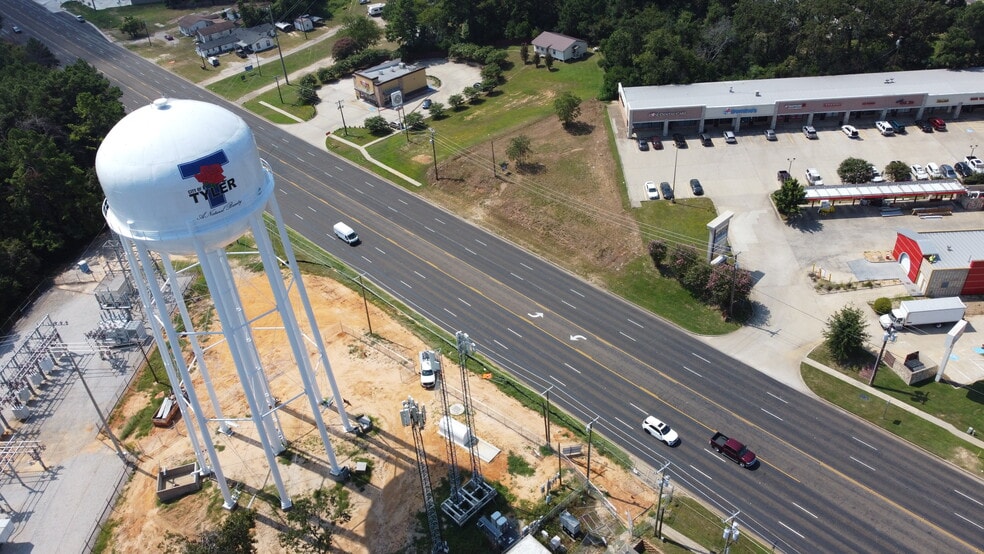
882	305
309	80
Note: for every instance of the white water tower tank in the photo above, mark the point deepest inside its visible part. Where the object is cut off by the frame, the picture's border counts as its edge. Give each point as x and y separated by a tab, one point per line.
182	172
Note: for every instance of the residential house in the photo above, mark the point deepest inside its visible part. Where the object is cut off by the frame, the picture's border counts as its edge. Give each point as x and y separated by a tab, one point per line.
190	24
216	31
257	39
559	47
376	84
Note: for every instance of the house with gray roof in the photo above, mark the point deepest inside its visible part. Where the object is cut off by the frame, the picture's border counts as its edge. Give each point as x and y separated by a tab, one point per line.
559	47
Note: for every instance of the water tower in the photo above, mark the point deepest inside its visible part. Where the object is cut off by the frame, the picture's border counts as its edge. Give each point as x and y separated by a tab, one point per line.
184	178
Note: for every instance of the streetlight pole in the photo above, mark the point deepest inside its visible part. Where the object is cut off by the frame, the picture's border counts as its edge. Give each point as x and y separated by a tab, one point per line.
789	168
972	148
889	335
734	277
663	481
675	156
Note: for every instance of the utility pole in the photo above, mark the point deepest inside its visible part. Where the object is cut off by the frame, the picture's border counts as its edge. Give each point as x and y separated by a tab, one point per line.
676	154
365	303
734	277
280	94
436	178
281	52
663	481
344	126
731	532
492	142
590	430
546	413
889	335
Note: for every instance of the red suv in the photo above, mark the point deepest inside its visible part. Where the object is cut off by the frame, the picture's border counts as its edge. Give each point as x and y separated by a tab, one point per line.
937	123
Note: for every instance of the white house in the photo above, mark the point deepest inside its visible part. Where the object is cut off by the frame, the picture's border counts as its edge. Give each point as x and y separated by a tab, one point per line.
216	31
190	24
257	39
559	47
304	23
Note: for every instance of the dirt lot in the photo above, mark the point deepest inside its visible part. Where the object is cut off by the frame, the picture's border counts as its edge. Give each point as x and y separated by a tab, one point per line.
373	381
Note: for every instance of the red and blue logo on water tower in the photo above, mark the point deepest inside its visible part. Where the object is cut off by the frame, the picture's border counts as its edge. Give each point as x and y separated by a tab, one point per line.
208	171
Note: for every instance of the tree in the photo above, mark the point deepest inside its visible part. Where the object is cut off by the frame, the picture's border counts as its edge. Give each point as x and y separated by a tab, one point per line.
897	171
548	61
789	198
312	521
234	536
376	125
132	26
846	333
362	30
567	106
524	53
344	47
855	170
307	95
414	120
472	94
519	149
456	101
657	251
437	110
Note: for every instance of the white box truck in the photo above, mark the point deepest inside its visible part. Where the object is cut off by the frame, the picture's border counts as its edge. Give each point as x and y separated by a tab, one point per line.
931	311
375	9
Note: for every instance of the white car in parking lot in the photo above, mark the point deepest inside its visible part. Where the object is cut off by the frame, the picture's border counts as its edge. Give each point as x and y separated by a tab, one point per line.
651	191
919	173
850	131
934	171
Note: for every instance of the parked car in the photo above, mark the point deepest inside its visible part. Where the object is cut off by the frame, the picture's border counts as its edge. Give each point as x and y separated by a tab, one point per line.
241	53
948	172
934	171
660	431
876	175
924	126
679	141
810	132
975	163
770	135
430	364
643	145
813	177
919	172
80	19
730	137
426	104
667	190
696	188
657	142
651	191
899	128
15	29
937	123
885	128
168	37
963	169
705	139
782	176
850	131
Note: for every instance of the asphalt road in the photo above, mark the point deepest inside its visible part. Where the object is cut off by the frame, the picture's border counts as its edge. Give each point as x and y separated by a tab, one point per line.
826	482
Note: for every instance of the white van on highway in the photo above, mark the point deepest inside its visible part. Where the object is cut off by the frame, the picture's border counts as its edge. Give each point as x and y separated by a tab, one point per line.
345	233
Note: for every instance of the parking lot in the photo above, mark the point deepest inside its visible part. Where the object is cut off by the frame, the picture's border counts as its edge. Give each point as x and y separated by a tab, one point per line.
790	313
750	164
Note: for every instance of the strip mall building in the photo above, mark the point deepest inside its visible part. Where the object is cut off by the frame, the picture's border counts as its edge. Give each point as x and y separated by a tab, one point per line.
792	103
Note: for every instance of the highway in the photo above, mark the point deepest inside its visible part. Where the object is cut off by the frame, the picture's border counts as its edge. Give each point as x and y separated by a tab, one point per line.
826	482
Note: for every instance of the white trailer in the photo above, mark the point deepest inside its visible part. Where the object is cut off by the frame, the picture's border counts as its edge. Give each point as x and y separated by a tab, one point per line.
375	9
931	311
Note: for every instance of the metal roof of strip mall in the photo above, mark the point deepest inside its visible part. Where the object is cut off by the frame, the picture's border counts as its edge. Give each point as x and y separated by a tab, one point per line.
888	190
933	89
